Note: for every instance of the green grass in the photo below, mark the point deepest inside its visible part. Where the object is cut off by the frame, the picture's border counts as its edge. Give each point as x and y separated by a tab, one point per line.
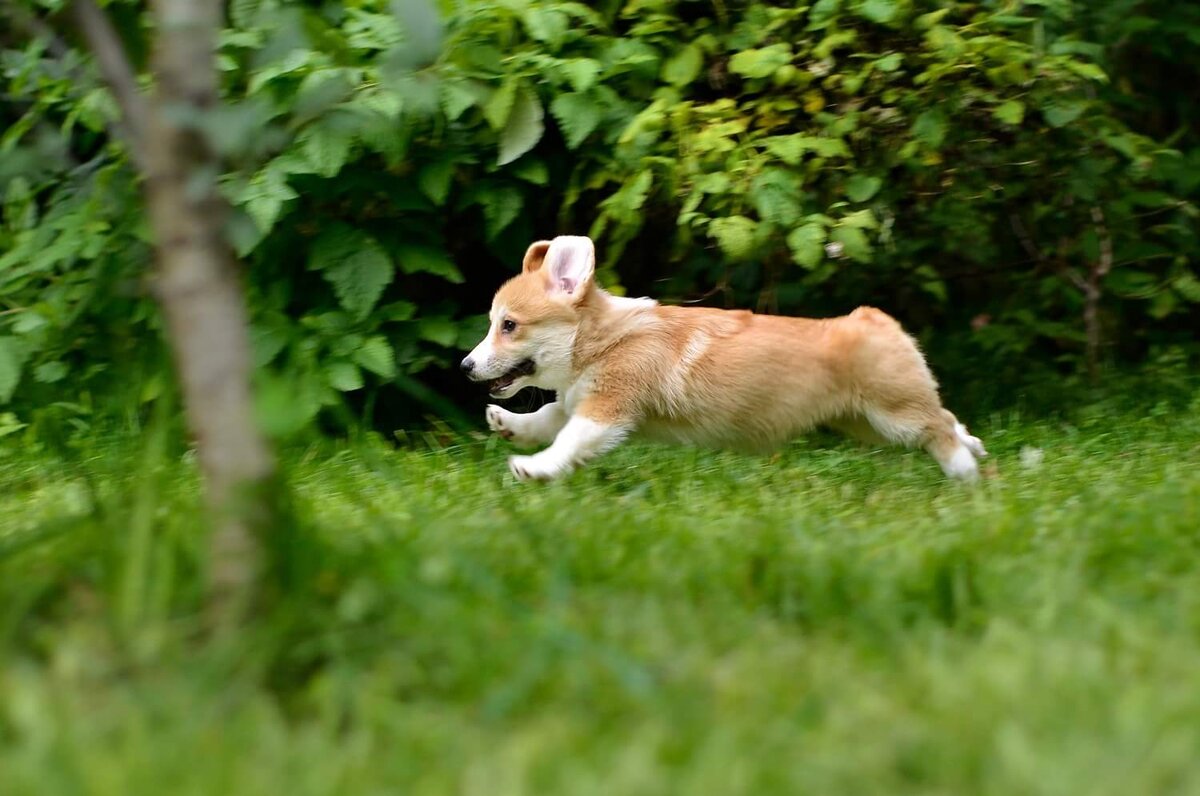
834	621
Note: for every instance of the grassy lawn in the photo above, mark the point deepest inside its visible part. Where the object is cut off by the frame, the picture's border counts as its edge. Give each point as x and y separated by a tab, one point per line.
831	621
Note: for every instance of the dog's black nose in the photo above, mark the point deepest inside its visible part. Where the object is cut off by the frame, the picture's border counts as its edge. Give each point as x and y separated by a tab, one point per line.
467	366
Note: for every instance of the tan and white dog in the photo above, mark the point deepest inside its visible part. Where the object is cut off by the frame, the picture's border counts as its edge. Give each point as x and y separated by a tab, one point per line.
693	375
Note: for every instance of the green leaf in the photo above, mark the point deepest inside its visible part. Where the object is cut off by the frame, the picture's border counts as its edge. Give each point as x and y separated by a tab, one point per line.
735	235
13	352
1188	286
1163	304
861	187
29	321
344	376
50	372
855	243
1010	112
581	72
1060	114
547	24
532	170
501	205
1011	20
776	194
807	245
890	62
355	265
523	129
458	95
378	101
264	196
326	149
434	180
1128	144
9	424
243	13
932	282
442	331
823	12
927	21
359	281
1088	71
881	11
717	182
267	341
650	120
1132	283
286	403
422	25
415	258
397	311
684	67
419	93
20	209
761	62
296	60
629	198
376	355
792	148
319	92
930	128
859	219
577	115
500	104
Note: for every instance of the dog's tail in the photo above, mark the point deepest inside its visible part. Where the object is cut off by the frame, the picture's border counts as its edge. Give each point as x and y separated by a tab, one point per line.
875	316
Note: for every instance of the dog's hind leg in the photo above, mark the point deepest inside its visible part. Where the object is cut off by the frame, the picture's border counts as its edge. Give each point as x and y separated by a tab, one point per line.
974	444
934	429
899	398
947	441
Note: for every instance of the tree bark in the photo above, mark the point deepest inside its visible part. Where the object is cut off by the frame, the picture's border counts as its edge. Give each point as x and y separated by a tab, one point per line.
197	285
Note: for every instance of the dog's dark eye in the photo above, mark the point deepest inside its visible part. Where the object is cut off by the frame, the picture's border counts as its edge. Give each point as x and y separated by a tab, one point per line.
508	327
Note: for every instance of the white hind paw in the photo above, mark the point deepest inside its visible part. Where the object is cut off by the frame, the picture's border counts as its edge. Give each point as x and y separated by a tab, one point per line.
961	466
974	444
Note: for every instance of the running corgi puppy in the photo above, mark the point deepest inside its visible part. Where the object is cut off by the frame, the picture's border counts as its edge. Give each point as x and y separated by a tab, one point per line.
691	375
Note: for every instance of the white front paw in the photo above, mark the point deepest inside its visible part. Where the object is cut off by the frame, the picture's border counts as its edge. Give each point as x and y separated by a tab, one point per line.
496	417
511	426
532	468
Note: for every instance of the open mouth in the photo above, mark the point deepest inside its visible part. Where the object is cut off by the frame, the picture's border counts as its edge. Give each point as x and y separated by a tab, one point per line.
525	367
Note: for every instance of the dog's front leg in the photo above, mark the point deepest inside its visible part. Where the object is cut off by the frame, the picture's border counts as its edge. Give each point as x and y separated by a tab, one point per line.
528	430
581	439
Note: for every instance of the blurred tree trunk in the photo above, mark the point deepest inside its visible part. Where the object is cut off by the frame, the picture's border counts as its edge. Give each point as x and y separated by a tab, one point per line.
197	283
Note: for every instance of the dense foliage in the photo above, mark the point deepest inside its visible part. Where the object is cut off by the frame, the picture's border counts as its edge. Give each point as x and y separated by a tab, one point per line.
1018	177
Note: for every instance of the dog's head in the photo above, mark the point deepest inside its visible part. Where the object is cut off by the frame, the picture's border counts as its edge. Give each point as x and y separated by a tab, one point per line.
534	319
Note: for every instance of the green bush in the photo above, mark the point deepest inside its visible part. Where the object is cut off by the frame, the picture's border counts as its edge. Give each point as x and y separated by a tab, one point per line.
970	166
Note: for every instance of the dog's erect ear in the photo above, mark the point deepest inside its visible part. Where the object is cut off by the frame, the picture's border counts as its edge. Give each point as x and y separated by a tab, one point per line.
570	263
534	256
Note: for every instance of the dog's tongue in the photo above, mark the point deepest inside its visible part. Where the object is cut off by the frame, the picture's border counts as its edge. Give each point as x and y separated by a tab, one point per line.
499	384
523	368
